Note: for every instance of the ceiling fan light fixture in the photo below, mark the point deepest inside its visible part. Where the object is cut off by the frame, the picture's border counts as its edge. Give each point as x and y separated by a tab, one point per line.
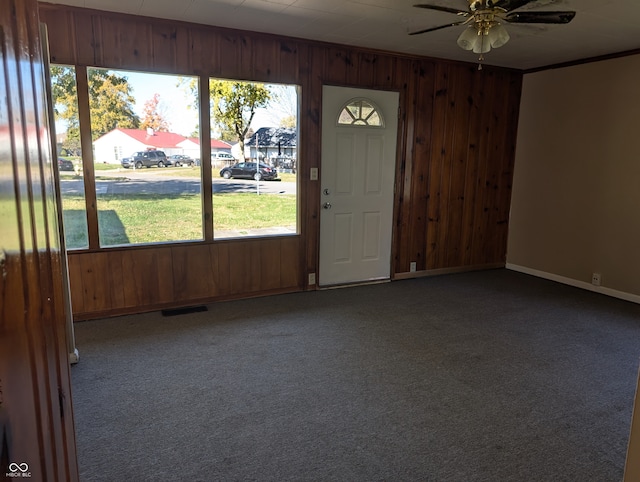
468	38
498	36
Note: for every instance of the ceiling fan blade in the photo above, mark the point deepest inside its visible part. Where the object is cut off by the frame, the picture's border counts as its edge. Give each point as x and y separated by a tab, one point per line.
433	29
540	17
509	5
455	11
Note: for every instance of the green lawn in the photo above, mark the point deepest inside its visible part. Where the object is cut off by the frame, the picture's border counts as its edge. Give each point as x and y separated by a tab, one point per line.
148	218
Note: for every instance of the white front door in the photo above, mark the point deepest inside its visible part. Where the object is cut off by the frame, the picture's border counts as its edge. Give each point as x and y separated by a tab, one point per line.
359	132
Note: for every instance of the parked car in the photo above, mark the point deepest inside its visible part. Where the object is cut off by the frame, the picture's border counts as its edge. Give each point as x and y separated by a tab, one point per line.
145	159
64	164
180	160
247	170
222	156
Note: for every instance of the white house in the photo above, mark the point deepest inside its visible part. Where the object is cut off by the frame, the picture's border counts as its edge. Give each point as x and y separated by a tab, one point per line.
113	146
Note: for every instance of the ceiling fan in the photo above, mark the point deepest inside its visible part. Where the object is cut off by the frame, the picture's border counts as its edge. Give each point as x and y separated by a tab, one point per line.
484	20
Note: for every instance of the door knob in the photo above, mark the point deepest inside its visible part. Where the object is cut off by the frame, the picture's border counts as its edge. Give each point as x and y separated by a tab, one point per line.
326	205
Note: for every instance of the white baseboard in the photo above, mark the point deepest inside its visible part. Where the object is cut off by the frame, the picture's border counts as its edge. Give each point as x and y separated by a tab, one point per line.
578	284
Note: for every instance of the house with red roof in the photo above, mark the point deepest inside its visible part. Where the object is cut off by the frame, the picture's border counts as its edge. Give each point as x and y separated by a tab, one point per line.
118	143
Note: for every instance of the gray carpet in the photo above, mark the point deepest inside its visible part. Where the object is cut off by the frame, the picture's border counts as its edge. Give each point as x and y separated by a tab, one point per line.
483	376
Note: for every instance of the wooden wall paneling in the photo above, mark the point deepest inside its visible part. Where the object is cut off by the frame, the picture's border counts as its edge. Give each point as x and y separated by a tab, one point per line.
270	255
75	282
265	66
292	61
96	282
382	68
505	116
438	182
473	162
117	279
163	282
63	35
493	179
290	263
123	44
236	56
88	38
36	420
339	67
309	157
222	268
479	208
203	53
491	96
459	151
367	69
193	275
240	268
405	151
254	275
412	202
169	47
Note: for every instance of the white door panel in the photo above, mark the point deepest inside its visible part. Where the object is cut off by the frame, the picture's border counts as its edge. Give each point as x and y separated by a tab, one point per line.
357	179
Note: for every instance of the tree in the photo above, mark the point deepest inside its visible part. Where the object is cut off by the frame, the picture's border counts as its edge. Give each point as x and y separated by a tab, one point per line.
283	105
234	105
289	121
154	115
110	101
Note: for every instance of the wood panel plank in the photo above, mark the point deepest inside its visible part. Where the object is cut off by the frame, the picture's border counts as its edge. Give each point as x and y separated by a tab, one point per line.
437	168
459	151
290	274
473	161
122	42
270	262
224	270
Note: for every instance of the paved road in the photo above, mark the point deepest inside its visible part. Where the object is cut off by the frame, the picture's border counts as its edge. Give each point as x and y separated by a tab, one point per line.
149	182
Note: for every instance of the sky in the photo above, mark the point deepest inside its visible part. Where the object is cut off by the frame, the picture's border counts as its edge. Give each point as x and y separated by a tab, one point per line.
176	102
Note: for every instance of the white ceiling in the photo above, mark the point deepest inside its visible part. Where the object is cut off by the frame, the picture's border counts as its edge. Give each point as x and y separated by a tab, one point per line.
600	27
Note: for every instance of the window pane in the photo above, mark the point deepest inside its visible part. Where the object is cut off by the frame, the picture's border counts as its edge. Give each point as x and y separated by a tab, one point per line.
360	112
249	200
65	100
146	151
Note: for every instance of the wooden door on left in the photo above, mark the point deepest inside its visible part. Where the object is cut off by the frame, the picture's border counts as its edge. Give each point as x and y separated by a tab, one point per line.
37	438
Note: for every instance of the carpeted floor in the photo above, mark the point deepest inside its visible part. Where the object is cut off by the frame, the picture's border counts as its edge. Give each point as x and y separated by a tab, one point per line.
483	376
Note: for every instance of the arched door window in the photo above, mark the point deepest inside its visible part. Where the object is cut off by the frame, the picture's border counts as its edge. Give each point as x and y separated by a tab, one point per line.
360	112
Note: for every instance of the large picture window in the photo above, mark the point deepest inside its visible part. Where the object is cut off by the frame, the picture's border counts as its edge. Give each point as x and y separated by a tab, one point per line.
255	183
146	135
67	126
146	160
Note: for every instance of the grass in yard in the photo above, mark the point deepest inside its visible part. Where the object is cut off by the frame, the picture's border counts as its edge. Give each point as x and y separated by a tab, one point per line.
242	211
134	219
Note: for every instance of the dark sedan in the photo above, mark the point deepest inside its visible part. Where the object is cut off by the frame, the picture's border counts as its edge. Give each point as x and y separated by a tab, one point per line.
64	164
247	170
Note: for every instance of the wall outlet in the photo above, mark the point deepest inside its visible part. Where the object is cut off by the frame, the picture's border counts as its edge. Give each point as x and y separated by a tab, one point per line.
596	278
312	279
412	267
313	175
